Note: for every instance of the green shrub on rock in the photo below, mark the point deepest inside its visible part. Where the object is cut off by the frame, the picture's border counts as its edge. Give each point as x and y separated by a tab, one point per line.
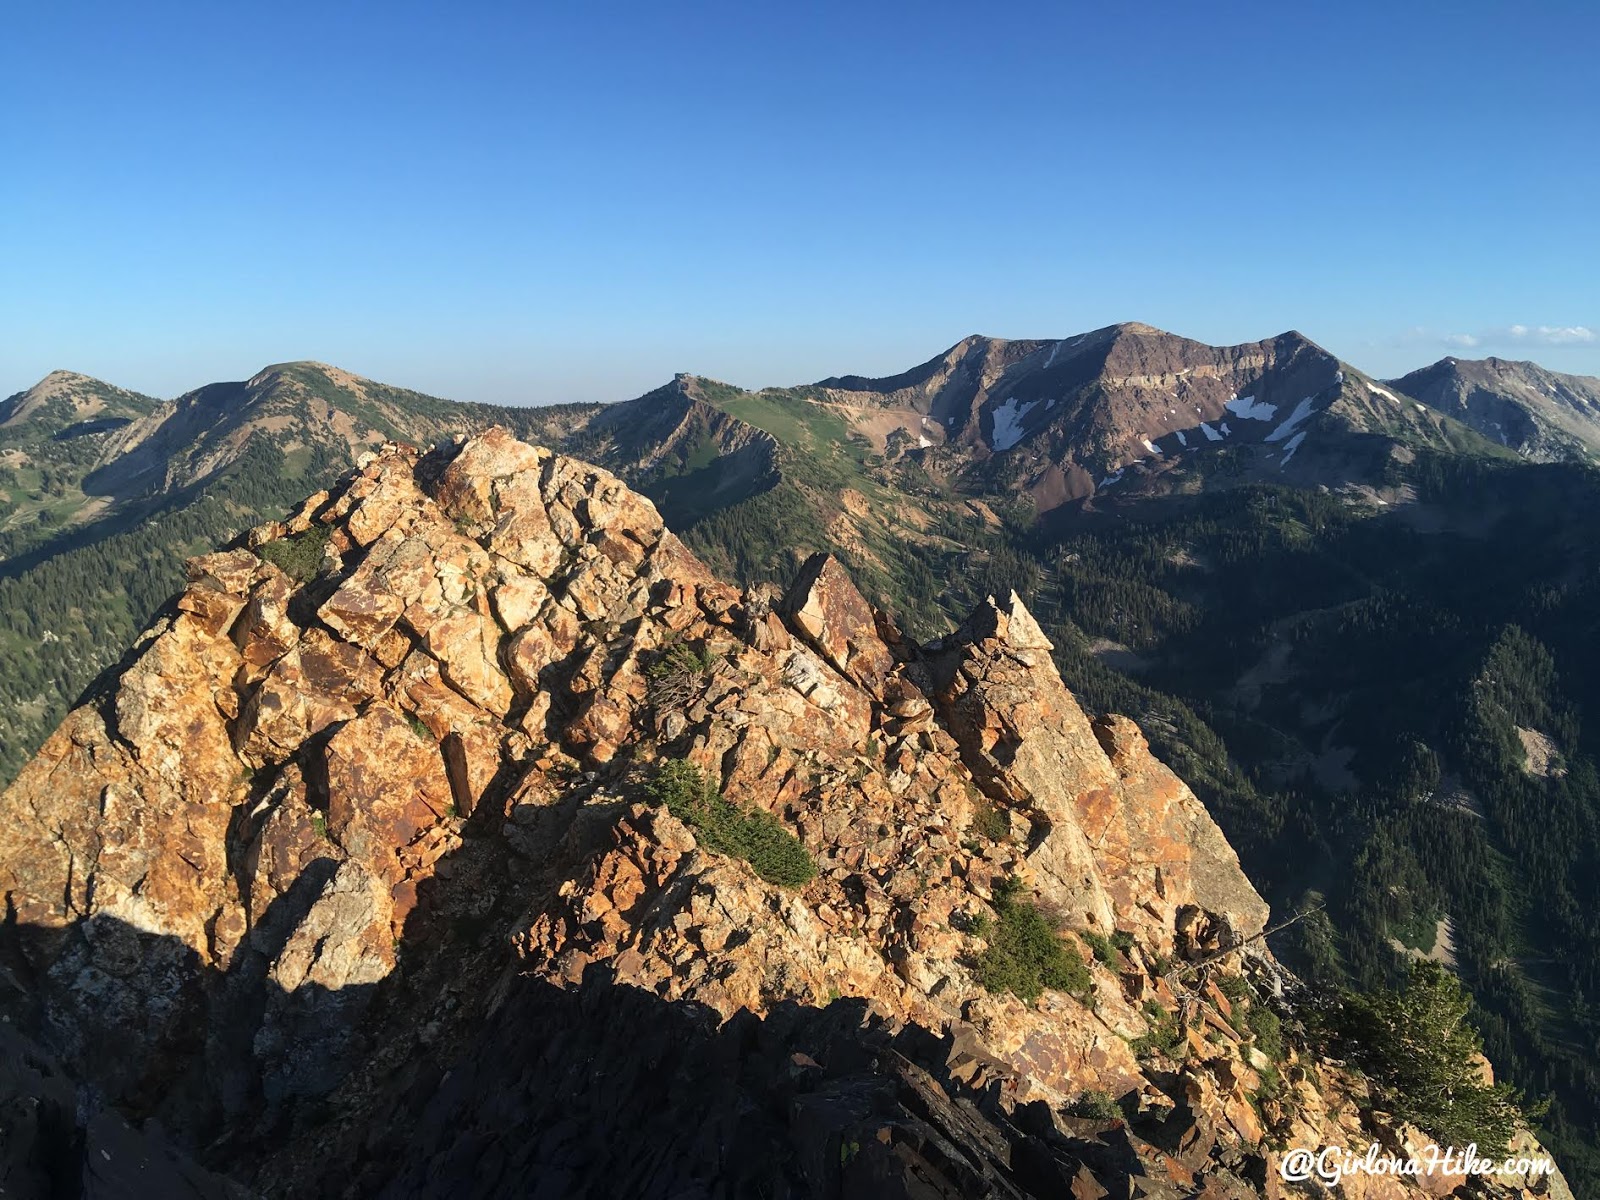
1165	1037
723	827
1095	1105
300	555
1026	955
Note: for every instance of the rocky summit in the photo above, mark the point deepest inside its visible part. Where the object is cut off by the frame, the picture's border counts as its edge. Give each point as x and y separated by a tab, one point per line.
463	835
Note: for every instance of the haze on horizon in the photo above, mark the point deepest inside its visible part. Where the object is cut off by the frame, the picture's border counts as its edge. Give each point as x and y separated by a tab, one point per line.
513	204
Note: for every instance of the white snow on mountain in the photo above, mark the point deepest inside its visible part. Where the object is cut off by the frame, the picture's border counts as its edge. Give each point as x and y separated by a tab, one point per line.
1251	409
1287	428
1008	420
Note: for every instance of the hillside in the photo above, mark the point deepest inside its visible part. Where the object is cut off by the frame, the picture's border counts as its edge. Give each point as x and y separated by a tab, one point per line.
1542	415
777	474
1354	688
923	480
51	436
107	492
462	832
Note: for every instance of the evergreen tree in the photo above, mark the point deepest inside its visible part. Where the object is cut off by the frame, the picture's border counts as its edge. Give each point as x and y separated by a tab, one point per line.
1425	1059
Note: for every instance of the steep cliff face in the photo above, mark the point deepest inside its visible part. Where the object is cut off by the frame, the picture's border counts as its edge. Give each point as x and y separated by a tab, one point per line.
370	797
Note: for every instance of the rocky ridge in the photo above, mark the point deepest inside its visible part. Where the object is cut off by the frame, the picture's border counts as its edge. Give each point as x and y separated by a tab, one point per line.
333	835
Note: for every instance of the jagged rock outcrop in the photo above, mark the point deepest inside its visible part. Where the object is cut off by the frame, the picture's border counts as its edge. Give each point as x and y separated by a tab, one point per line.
805	1101
1121	840
825	608
325	834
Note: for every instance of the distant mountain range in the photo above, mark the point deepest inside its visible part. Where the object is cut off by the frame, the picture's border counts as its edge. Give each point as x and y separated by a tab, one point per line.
74	449
1128	406
1357	616
1124	409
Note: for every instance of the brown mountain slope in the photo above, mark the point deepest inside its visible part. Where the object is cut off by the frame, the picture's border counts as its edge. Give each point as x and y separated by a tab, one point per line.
303	407
1130	408
355	841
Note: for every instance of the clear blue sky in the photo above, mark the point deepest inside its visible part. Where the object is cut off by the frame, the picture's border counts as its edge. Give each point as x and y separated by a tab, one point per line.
538	202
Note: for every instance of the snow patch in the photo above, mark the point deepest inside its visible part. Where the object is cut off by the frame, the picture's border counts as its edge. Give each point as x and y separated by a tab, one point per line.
1111	478
1150	446
1300	413
1182	441
1292	445
1384	392
1211	434
1226	432
1054	350
1008	420
922	442
1250	409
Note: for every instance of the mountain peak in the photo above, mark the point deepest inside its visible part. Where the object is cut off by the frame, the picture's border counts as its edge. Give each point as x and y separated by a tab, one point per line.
470	738
74	397
62	376
301	366
293	363
59	382
1542	415
1136	327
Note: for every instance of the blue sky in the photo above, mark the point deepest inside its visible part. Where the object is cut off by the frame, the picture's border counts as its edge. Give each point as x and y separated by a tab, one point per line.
532	202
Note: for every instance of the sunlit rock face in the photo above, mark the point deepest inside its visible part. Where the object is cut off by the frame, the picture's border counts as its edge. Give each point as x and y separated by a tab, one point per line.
378	778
